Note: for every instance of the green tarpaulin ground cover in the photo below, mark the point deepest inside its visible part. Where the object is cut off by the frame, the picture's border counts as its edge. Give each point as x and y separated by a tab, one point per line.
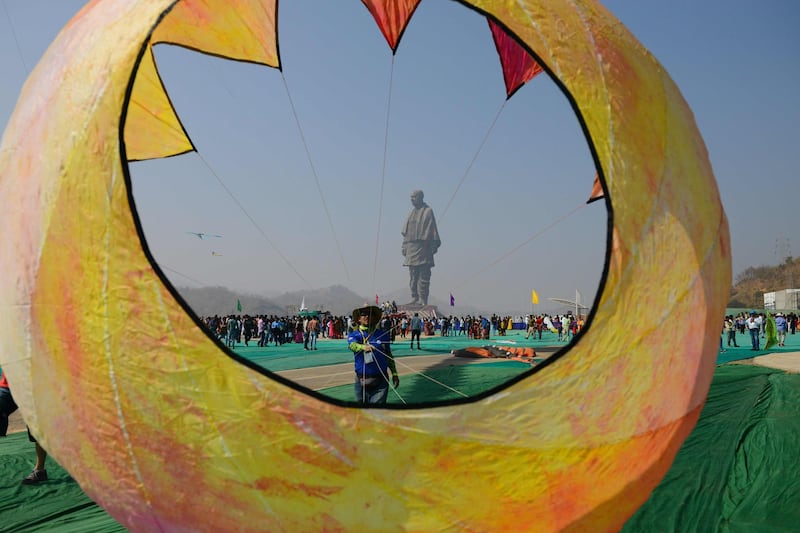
739	469
334	351
57	505
461	381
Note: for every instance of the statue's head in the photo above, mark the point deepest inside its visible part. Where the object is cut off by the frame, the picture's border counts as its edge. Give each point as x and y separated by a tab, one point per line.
416	198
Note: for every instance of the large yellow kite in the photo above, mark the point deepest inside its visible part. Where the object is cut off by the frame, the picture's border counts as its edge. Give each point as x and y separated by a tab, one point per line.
167	433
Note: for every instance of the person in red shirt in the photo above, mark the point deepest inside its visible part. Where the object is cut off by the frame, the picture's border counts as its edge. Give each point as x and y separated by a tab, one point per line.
7	407
539	326
7	404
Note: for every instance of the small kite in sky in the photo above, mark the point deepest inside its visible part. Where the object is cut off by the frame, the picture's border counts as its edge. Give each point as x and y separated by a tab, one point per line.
201	235
216	254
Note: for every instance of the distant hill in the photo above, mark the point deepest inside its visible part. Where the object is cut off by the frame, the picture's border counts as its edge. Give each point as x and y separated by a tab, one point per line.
751	284
207	301
339	300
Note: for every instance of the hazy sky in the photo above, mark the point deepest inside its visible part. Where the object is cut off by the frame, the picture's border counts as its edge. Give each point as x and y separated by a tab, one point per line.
291	166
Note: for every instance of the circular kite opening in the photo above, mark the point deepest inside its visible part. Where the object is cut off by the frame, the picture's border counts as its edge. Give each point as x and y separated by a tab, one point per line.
294	203
92	327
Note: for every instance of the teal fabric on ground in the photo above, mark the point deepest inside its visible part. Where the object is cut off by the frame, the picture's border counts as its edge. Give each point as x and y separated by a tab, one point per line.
291	356
461	381
334	351
58	504
738	470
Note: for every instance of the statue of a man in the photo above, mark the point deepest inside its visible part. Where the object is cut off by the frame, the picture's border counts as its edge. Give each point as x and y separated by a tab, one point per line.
420	242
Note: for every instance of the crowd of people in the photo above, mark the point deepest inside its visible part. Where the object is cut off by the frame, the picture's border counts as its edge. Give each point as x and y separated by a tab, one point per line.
272	330
565	326
755	325
266	330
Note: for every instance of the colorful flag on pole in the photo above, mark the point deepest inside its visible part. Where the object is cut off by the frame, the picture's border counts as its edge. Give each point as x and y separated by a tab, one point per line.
534	297
238	305
376	298
452	300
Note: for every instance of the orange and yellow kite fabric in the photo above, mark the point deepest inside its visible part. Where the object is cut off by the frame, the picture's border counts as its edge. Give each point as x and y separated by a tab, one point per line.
392	17
168	433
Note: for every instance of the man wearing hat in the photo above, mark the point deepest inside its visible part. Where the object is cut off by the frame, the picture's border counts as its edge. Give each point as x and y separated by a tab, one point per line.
373	357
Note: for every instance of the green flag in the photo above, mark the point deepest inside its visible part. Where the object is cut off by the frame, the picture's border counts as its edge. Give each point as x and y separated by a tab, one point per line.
771	333
238	305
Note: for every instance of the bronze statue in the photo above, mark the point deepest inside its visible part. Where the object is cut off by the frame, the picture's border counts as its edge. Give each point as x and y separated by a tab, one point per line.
420	242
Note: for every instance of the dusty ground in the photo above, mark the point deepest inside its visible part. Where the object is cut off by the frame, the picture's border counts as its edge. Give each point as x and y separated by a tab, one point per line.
322	377
788	362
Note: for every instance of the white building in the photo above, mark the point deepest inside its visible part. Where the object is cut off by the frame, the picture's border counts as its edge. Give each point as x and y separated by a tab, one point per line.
784	300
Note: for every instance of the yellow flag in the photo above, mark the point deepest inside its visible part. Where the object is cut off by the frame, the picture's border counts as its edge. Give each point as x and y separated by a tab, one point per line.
534	297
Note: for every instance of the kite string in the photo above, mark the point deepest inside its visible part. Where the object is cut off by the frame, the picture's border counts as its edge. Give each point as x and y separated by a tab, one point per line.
384	375
424	375
421	373
253	221
383	177
389	381
16	40
316	176
181	274
536	235
472	162
363	377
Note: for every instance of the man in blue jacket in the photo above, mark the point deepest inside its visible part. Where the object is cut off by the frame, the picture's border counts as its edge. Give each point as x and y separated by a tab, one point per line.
373	357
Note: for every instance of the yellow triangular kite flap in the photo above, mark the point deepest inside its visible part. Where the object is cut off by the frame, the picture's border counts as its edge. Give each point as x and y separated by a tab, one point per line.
244	30
152	128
